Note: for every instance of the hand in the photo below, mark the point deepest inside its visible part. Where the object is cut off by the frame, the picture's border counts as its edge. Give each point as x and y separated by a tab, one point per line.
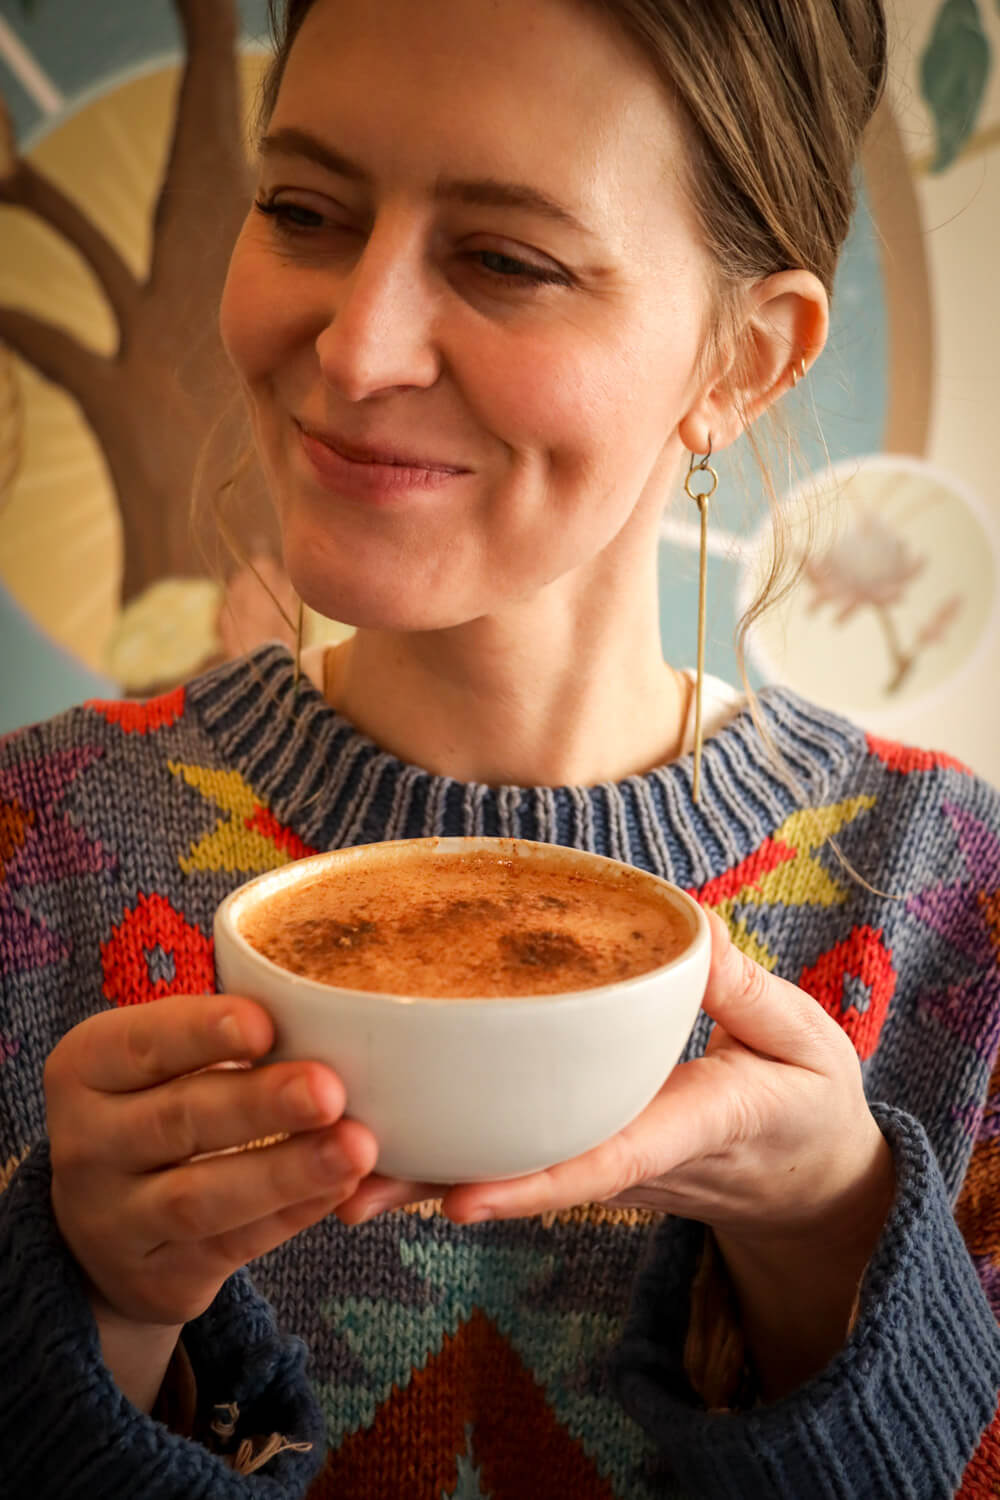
766	1132
130	1110
768	1138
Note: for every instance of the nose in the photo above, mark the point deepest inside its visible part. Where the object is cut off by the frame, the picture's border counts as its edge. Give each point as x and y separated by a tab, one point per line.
380	335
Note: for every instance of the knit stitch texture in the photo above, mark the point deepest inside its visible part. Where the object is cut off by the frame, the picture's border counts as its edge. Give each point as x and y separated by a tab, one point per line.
536	1358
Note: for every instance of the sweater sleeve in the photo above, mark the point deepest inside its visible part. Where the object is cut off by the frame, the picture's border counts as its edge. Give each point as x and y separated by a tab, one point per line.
65	1428
897	1415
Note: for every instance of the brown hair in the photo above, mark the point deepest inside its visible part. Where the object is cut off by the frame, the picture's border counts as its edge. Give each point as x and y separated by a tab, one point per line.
775	96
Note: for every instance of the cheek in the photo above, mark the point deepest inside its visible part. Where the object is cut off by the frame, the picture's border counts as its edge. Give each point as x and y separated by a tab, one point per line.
591	411
252	333
547	397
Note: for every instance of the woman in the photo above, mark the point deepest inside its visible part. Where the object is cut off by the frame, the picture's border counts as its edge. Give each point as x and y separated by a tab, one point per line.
509	269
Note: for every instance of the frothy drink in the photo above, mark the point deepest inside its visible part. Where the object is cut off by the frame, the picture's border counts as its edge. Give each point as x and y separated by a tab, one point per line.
458	926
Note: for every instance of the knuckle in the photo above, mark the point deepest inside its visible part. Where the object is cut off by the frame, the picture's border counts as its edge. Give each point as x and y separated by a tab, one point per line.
139	1044
742	1121
186	1212
842	1051
70	1152
622	1167
54	1072
750	978
71	1148
175	1134
320	1166
822	1032
67	1061
283	1173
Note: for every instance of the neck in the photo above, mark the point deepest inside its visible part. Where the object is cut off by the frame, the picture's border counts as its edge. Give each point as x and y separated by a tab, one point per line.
549	694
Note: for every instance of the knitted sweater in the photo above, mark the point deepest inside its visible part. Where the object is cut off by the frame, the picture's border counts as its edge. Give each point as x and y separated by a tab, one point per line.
542	1357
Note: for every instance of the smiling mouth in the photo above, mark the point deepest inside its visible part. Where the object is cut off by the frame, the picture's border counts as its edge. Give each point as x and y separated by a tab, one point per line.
385	455
377	476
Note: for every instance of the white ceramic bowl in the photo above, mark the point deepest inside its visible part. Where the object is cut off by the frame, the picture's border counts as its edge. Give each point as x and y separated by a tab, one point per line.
469	1090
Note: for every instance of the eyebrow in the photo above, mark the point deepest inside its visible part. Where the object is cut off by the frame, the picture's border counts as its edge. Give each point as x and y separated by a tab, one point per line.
484	192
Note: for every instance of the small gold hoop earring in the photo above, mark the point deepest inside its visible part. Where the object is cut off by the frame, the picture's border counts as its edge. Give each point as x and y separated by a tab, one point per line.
299	620
800	373
701	499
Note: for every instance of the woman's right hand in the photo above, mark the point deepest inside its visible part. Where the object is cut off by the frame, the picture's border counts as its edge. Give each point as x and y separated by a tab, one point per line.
134	1096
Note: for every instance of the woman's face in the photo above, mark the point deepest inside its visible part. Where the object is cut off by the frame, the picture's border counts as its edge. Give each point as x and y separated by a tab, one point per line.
477	253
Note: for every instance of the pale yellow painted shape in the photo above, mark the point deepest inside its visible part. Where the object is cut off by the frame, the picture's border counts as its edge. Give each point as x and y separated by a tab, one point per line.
60	535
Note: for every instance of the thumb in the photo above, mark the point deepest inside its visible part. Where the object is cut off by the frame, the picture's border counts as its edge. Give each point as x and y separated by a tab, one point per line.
762	1011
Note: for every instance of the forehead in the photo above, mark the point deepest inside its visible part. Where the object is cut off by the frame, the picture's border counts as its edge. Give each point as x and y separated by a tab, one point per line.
549	92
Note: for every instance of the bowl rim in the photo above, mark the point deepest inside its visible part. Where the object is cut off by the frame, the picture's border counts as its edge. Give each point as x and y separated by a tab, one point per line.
227	913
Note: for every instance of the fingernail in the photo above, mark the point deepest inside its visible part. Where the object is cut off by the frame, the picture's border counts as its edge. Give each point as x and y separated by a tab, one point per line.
331	1159
229	1030
297	1100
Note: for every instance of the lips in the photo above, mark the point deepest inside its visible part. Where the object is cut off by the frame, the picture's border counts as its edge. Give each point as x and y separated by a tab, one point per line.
388	453
383	476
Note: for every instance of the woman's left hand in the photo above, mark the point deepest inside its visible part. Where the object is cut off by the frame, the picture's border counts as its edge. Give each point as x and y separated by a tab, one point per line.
768	1135
767	1138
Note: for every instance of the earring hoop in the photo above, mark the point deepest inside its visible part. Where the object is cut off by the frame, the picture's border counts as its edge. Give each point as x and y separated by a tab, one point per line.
701	499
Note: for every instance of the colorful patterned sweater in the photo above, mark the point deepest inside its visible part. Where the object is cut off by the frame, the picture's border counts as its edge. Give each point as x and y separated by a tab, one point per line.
538	1358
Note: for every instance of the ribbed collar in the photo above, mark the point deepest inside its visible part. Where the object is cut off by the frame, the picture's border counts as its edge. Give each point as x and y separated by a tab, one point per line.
335	787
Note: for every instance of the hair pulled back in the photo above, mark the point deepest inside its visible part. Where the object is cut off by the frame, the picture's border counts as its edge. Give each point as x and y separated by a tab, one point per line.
775	96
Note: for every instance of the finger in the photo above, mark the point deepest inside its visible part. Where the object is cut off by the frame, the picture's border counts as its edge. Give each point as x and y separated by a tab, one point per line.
688	1117
144	1045
216	1111
247	1243
377	1195
209	1198
764	1012
178	1281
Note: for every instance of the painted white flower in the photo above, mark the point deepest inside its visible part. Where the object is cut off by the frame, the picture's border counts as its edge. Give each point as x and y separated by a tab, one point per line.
869	564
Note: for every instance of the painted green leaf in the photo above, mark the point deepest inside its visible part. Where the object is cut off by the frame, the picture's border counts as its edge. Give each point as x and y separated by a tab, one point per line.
953	73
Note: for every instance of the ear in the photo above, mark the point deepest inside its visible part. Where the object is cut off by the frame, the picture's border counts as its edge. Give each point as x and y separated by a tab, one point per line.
786	325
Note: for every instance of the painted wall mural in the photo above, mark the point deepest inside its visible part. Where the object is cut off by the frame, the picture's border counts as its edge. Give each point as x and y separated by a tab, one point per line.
123	177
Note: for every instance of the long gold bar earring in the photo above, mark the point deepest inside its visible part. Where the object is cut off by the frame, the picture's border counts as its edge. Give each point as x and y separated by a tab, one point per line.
298	646
701	500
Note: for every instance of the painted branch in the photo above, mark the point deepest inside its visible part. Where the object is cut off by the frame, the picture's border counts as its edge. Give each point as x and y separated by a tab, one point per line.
902	661
206	182
8	142
30	189
55	354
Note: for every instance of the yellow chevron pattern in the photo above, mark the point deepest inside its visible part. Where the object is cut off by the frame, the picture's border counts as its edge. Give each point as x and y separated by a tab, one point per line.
800	881
232	844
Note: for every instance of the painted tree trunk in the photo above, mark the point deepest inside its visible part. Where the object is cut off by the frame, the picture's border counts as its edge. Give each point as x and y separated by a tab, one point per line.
164	407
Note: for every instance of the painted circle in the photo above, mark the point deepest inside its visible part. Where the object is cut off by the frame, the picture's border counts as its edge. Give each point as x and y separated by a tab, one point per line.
898	591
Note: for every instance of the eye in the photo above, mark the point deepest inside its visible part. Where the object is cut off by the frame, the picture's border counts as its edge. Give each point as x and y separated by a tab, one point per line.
294	219
290	217
509	268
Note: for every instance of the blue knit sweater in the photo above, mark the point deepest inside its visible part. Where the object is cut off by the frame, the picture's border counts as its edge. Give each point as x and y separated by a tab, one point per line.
414	1358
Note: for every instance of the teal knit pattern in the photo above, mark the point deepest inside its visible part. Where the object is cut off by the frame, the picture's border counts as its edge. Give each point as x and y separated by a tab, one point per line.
531	1358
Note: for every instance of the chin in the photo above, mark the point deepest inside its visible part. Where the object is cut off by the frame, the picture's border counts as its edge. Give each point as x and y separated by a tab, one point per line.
384	607
371	582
